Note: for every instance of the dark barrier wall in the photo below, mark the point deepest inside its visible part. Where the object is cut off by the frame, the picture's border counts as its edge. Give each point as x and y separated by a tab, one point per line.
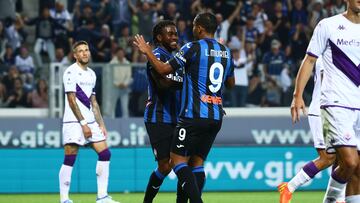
236	131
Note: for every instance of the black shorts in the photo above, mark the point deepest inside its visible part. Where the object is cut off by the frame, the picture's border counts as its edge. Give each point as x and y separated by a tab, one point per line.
160	135
195	137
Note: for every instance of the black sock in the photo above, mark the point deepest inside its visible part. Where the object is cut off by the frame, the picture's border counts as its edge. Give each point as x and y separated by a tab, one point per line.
181	196
200	177
188	182
155	181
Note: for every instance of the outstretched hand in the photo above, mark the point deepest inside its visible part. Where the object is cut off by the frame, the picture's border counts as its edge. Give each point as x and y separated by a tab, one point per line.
143	46
297	105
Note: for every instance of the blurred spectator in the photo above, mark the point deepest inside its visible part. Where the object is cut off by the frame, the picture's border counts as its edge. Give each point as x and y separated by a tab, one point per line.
268	36
9	57
8	80
274	61
183	32
82	17
121	16
60	56
146	12
221	34
125	41
338	7
171	12
240	90
286	83
2	95
3	39
15	33
62	16
317	13
256	95
38	98
250	31
272	93
102	51
299	43
281	23
299	13
45	33
260	17
138	93
122	80
104	12
24	61
18	97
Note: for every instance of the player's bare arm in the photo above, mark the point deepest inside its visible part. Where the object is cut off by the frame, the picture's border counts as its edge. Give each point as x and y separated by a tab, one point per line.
97	113
160	67
303	76
76	110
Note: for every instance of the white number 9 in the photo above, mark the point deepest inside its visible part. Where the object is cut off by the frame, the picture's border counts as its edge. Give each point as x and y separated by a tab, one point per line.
182	134
216	82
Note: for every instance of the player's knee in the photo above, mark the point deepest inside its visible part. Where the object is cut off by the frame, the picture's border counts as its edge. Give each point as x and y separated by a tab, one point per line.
164	167
104	155
350	164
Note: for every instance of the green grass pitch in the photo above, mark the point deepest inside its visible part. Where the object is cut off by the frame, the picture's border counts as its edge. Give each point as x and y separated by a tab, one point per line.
162	197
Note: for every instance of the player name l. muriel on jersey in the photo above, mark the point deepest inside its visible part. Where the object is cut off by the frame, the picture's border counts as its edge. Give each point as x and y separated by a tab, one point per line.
217	53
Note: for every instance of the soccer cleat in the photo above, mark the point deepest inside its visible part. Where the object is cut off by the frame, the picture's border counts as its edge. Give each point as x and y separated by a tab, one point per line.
106	199
68	201
285	194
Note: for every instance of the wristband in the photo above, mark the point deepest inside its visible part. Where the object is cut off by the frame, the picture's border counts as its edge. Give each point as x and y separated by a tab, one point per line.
83	122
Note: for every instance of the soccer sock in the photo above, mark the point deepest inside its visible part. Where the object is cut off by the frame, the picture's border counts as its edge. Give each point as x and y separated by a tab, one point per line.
335	189
304	175
199	173
155	181
352	199
188	182
102	172
200	177
65	176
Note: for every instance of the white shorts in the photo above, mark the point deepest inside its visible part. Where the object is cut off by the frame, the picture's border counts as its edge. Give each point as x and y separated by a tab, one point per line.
341	128
316	129
72	133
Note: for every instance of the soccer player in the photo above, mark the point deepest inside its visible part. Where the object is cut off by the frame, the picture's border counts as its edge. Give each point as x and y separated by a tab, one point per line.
324	160
208	67
163	105
83	124
337	39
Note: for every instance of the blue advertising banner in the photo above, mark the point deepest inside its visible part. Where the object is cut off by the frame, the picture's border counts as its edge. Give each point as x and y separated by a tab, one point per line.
228	169
249	131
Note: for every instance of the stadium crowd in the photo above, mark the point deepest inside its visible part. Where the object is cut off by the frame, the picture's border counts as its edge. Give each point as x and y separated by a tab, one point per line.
268	39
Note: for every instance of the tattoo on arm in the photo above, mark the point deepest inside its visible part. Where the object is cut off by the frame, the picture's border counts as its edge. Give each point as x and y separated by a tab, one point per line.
96	110
74	107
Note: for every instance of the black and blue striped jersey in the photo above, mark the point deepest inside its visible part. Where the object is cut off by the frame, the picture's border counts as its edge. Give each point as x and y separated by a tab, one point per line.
208	64
162	106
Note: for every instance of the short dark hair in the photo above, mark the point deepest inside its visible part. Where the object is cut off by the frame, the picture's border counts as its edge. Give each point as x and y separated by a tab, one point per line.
78	43
158	28
207	21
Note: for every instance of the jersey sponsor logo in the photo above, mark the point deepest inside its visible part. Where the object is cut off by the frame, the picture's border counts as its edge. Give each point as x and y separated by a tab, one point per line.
211	99
179	55
352	42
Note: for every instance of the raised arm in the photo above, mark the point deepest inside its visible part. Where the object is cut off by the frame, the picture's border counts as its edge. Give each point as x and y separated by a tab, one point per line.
160	67
302	78
235	13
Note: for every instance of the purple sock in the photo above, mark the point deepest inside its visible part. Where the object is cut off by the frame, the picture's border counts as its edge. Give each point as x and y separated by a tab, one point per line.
69	160
310	169
337	178
104	155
